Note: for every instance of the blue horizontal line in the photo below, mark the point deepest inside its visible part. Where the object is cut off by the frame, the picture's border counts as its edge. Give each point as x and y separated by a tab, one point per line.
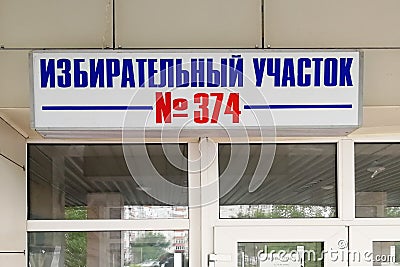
299	106
96	108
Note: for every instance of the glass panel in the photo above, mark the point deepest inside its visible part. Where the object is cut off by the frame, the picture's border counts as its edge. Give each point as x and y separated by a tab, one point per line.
91	181
300	184
269	254
377	180
109	249
386	253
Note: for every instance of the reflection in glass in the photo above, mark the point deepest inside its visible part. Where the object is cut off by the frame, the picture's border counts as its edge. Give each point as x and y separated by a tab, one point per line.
92	181
300	184
386	253
276	211
377	175
109	249
266	254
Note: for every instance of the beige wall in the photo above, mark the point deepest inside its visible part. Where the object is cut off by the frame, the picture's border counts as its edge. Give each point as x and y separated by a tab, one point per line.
12	196
188	23
332	24
382	77
55	23
14	79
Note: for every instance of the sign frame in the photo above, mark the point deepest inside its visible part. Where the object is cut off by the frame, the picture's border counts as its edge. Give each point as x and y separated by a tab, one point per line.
111	132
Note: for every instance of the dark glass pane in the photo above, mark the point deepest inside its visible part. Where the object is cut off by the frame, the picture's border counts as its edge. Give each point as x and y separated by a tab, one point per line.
300	184
377	180
92	181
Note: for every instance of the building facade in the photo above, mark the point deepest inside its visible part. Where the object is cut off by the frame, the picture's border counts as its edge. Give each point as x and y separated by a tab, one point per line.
69	200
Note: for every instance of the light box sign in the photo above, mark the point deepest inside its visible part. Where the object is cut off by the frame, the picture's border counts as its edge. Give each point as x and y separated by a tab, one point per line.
196	90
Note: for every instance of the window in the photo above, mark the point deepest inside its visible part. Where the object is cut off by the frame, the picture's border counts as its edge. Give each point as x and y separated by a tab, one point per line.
377	175
89	181
97	182
301	182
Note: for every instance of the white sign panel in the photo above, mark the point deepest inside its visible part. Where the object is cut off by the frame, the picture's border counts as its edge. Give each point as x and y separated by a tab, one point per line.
199	90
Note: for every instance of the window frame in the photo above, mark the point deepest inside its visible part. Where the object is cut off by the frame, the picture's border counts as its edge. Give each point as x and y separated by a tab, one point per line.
104	225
